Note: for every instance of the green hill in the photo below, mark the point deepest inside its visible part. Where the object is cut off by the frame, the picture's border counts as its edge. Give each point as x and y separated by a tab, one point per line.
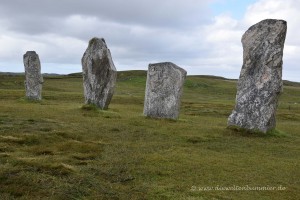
55	149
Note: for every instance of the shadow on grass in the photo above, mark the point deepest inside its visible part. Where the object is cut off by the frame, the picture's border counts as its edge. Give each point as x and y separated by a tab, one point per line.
90	107
91	110
238	131
27	100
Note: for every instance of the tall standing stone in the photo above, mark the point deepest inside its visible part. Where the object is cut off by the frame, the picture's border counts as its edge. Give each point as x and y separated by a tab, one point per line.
163	90
33	76
260	82
99	74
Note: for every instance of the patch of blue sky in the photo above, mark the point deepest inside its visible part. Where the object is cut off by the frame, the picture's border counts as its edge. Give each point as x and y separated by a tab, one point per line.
235	8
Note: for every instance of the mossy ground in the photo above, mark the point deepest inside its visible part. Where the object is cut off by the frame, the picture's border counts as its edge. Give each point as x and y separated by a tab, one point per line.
59	149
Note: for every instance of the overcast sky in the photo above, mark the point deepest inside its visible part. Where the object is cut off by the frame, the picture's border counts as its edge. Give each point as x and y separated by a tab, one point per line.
201	36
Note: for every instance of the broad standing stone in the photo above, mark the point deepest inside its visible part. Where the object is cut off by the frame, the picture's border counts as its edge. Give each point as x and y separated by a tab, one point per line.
33	76
163	90
99	74
260	81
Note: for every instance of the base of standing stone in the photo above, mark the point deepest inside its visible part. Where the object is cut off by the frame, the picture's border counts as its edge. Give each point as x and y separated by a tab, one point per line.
249	131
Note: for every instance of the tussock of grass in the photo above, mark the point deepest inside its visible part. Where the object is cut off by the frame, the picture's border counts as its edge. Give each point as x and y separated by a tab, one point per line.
197	139
277	133
38	166
44	152
21	140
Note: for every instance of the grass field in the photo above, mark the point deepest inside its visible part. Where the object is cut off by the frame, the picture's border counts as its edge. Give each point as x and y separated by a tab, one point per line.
55	149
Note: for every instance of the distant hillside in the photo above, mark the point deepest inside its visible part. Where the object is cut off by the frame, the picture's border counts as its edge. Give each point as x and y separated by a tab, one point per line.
290	83
78	74
12	73
125	75
122	75
51	74
22	73
212	77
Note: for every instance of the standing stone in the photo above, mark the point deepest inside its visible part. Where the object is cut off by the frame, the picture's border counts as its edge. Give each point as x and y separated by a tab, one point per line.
99	74
163	90
260	81
33	76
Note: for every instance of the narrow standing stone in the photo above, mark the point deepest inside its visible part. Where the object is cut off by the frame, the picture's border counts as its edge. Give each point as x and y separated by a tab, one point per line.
163	90
99	74
33	76
260	82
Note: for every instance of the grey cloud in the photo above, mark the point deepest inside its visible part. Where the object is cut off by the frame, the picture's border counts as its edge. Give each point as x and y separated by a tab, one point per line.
149	28
36	14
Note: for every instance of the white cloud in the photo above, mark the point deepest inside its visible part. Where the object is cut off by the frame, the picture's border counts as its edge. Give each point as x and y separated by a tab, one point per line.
13	47
223	38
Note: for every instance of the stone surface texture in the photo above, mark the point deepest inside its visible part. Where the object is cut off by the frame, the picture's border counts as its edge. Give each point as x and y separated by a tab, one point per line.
33	76
260	81
163	90
99	74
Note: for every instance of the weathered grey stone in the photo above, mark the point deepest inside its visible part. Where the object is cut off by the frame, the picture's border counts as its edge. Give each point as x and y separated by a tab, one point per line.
163	90
99	74
33	76
260	81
